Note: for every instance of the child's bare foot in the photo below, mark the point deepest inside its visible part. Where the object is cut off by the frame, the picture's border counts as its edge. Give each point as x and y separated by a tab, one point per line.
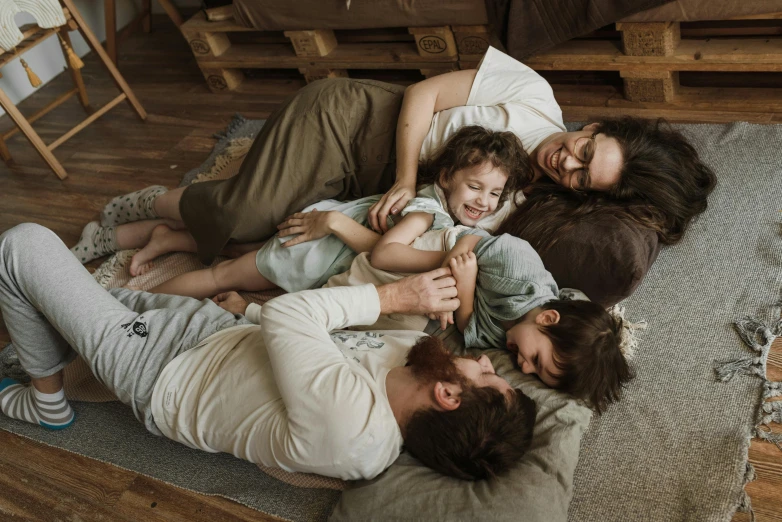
162	241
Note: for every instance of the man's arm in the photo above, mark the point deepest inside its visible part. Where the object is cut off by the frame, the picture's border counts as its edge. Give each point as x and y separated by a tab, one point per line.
328	402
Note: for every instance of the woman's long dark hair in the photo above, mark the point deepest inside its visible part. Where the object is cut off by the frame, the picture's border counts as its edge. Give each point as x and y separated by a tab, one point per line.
661	170
550	211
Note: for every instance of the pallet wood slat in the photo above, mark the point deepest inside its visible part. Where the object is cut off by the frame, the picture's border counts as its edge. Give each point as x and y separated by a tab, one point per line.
219	79
651	56
358	56
731	55
650	86
435	42
220	14
223	48
312	44
650	39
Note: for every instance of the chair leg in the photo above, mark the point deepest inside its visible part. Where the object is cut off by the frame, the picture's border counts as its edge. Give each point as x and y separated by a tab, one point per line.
172	12
5	154
146	22
76	76
110	13
93	42
28	131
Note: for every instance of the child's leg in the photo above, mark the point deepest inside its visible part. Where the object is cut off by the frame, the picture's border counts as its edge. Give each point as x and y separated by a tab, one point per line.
135	206
97	241
167	205
234	250
162	240
235	274
139	233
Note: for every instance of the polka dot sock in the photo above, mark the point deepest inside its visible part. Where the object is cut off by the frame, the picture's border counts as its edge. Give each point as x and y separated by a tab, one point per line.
95	241
131	207
50	410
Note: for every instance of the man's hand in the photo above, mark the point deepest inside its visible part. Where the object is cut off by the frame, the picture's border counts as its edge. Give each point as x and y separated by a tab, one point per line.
231	301
392	202
422	294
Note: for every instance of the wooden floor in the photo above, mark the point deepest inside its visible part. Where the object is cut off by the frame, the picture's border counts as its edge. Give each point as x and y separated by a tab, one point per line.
119	154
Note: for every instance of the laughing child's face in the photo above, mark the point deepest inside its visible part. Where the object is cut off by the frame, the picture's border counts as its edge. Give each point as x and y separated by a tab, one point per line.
474	192
533	348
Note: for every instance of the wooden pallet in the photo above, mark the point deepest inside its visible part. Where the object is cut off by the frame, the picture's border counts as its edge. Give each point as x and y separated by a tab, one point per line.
650	57
223	49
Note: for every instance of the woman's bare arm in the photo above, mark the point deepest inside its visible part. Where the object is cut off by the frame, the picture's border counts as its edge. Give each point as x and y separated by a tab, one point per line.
422	100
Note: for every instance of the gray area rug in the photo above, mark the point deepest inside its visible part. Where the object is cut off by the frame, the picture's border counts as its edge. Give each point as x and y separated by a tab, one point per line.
674	449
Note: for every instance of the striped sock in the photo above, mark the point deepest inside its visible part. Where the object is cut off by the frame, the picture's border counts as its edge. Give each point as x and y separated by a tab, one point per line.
50	410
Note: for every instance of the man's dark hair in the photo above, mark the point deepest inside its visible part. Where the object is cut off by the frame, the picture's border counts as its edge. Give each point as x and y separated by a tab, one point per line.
484	437
587	352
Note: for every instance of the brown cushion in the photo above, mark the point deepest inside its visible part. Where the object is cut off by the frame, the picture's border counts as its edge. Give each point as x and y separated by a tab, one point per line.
604	256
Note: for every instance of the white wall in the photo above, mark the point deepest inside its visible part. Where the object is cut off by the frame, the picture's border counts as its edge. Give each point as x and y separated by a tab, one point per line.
47	60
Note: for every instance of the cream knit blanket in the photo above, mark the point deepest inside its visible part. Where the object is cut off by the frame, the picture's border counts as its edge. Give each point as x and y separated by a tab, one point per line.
48	13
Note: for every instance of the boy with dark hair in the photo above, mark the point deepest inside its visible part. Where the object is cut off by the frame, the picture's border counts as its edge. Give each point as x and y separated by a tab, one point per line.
508	298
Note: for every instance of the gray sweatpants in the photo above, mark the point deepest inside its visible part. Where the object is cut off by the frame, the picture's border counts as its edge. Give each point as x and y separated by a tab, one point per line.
53	306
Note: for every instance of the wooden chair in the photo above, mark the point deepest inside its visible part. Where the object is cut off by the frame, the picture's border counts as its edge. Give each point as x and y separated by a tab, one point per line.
33	35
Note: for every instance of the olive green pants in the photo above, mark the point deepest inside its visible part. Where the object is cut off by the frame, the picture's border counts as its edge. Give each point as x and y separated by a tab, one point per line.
333	139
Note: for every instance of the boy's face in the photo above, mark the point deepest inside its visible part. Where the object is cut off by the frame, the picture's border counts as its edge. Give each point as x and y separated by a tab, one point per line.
533	348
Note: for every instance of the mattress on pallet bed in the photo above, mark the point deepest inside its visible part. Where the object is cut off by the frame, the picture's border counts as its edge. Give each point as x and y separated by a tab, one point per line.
282	15
697	10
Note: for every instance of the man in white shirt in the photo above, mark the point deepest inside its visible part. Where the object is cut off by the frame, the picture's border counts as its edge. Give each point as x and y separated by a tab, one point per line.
298	391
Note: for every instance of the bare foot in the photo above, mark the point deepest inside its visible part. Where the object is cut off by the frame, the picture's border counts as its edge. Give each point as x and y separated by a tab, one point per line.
161	241
132	287
143	269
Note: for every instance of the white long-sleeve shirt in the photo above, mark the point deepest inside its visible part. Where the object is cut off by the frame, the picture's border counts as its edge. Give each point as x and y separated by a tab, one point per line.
296	392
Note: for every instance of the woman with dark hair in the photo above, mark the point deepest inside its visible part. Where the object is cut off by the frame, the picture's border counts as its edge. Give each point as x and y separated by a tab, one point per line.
345	139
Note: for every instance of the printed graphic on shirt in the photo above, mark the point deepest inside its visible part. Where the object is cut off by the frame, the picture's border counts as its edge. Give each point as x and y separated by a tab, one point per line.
352	344
137	327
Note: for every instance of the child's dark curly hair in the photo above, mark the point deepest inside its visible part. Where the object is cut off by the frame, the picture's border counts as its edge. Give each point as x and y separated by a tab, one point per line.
587	352
473	145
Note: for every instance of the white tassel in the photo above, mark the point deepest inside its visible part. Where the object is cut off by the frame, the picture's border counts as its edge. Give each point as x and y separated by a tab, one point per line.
628	340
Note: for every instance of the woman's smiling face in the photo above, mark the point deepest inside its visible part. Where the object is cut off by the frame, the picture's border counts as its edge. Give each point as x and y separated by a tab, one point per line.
560	158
